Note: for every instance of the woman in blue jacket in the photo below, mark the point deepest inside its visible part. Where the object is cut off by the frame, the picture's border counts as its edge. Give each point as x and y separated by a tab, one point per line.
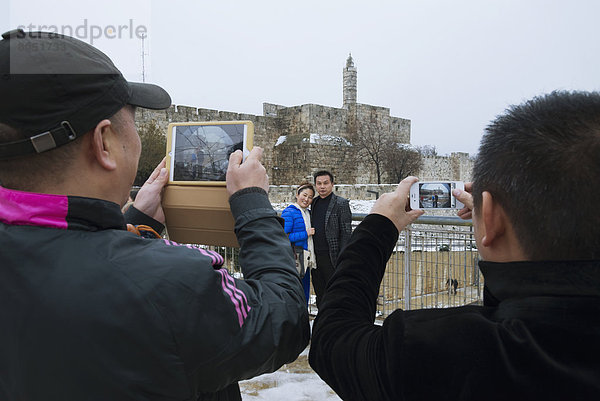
298	228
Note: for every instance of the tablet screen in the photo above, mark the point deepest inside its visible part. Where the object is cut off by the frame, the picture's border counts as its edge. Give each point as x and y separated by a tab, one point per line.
201	152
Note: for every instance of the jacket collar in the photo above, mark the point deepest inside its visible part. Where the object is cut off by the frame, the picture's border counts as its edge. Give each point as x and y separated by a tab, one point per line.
547	278
58	211
300	208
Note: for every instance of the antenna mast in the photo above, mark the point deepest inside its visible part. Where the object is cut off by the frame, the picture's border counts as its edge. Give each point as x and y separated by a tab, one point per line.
143	59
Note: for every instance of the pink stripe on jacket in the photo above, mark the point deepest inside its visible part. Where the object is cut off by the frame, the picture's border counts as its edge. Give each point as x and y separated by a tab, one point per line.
32	209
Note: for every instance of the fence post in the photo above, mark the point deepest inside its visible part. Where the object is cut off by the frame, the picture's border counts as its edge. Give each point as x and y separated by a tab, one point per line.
465	274
407	267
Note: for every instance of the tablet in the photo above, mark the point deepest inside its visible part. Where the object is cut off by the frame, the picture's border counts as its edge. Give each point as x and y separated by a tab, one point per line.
195	200
198	152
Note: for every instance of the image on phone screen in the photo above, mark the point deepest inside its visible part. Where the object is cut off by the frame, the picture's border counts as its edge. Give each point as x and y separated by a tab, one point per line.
437	195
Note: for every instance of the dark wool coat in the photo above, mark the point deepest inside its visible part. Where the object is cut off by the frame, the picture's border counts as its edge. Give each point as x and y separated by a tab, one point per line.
338	224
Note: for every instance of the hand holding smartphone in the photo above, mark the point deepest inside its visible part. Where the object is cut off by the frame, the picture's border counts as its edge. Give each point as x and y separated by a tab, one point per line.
435	195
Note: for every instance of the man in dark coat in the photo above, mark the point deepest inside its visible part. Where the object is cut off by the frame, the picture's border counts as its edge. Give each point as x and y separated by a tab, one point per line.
332	219
537	335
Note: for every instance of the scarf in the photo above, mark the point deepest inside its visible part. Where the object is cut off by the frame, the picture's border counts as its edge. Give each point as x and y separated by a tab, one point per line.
307	225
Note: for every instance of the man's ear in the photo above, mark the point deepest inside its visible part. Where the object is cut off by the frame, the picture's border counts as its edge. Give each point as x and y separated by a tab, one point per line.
103	145
493	220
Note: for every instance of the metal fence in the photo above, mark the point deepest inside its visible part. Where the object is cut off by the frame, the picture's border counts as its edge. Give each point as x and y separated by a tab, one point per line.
434	265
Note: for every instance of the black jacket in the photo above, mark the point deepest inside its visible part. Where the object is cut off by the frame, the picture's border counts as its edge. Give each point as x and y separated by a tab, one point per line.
338	224
90	311
537	337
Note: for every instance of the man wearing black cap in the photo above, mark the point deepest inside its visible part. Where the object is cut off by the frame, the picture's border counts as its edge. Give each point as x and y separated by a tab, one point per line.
91	311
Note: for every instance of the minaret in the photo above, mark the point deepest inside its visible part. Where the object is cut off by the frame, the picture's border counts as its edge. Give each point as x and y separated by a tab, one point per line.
349	82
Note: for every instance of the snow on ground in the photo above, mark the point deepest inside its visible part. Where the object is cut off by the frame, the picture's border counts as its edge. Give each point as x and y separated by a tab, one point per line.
292	387
290	383
294	381
361	206
356	206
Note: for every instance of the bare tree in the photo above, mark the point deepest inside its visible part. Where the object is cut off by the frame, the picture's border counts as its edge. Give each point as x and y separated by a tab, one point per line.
154	145
400	160
370	140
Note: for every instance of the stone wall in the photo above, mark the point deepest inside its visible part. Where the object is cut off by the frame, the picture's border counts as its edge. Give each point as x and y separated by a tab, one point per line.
300	140
316	137
456	167
286	193
377	117
265	128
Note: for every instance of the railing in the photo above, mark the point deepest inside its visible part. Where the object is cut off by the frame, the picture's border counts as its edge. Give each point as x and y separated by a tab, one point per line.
434	266
429	255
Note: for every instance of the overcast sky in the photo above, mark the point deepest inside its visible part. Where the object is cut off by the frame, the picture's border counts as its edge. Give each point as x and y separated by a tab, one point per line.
448	66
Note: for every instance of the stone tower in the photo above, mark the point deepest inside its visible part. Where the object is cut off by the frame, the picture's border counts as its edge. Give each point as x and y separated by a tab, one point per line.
349	83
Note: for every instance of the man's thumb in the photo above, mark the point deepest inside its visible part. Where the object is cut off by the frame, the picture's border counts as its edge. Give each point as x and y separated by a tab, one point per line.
163	176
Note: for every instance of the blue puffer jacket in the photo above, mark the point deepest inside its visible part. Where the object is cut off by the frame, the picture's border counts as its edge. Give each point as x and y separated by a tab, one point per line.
294	226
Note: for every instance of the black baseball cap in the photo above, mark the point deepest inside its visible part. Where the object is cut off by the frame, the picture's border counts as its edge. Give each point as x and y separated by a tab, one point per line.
55	88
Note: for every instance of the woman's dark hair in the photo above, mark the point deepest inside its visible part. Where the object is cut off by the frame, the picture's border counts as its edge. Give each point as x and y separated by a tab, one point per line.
304	186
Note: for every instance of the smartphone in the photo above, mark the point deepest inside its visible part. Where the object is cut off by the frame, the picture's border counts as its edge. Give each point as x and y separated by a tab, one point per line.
435	195
198	152
195	199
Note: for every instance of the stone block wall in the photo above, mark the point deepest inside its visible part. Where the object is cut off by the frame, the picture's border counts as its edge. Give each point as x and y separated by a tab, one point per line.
377	117
300	140
297	160
286	193
265	128
456	167
310	119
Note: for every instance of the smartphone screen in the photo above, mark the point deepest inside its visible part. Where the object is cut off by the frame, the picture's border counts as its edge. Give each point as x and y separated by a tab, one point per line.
200	152
435	195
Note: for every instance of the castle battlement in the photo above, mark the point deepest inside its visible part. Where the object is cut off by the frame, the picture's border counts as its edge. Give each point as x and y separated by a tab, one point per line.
300	140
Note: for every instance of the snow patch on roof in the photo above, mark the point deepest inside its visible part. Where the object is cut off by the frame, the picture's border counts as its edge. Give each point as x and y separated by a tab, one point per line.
281	140
407	146
324	139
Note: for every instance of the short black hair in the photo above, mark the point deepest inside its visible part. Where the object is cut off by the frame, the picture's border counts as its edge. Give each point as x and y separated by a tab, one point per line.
541	163
27	173
321	173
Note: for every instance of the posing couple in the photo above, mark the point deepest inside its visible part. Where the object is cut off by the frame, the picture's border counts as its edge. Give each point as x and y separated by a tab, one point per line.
321	232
